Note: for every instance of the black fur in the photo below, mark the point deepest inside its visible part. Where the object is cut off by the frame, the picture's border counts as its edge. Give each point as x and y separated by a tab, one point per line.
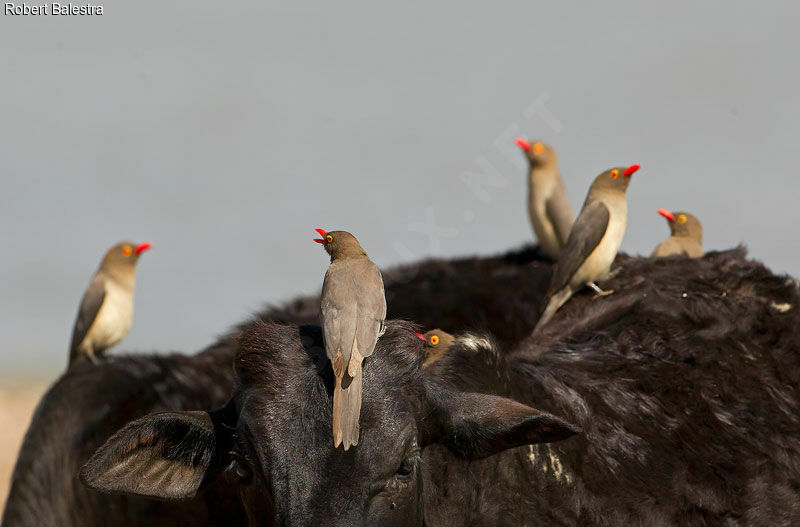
689	406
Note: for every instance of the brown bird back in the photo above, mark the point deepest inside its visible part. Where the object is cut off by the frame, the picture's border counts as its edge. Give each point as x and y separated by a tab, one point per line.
353	308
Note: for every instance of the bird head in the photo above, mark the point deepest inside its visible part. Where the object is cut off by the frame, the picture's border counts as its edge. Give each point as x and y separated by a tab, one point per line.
682	223
125	254
538	153
437	342
615	178
339	243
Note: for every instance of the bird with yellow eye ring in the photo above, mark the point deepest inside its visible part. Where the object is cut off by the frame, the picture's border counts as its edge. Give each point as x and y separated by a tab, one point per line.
437	342
686	236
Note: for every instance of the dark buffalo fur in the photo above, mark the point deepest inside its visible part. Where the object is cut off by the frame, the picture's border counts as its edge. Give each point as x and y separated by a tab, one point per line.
500	293
685	382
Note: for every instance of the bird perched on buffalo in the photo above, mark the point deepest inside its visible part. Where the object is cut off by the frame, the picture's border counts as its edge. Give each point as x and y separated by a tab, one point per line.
686	235
353	307
106	311
436	344
549	209
593	241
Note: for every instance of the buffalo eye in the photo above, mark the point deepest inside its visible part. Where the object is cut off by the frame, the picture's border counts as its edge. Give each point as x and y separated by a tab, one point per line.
404	474
241	468
405	469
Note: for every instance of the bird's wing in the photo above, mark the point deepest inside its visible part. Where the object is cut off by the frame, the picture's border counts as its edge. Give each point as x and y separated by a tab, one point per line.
338	305
371	308
559	210
90	306
586	233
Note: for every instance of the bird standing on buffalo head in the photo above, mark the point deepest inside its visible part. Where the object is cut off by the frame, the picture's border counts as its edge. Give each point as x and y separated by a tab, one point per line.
106	311
549	209
593	241
686	235
437	342
353	307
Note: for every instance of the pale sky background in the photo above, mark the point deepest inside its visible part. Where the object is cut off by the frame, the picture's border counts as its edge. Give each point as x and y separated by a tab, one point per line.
225	132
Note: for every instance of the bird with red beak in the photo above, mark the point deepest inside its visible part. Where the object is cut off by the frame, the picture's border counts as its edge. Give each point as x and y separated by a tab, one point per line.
106	311
437	342
548	207
353	312
686	236
593	242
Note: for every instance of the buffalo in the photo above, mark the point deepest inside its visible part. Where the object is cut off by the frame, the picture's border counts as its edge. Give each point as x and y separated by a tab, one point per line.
87	404
672	401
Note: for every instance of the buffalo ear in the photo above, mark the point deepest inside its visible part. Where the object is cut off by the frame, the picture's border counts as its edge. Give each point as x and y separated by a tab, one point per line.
165	455
476	425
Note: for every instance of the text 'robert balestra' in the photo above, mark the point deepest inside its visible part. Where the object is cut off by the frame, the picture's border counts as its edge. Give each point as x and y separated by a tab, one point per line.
52	9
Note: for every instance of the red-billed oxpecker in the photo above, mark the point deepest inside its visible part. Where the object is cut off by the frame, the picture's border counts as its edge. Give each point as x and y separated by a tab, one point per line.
550	211
353	308
437	343
593	241
106	311
686	235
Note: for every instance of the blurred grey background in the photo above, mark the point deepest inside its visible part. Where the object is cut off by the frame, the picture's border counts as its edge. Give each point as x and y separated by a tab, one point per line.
224	133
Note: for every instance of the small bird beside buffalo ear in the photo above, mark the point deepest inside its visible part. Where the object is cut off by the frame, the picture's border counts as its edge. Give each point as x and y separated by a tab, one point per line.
686	235
437	342
593	242
106	311
549	209
353	309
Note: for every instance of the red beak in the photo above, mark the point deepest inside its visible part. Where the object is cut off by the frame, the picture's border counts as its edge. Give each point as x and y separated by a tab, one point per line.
321	233
667	214
420	335
523	144
142	247
630	170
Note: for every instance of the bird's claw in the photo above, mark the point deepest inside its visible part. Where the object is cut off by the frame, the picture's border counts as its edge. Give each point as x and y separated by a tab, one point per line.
599	292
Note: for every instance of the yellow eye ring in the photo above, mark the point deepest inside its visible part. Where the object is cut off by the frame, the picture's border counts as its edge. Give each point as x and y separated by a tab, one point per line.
434	340
538	148
615	174
127	251
329	238
682	218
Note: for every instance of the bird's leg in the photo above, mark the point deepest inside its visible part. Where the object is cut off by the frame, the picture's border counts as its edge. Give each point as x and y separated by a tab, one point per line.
599	291
92	357
613	273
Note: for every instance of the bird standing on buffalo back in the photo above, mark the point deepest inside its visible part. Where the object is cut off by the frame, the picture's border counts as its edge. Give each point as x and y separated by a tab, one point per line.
106	311
686	235
353	307
593	241
549	209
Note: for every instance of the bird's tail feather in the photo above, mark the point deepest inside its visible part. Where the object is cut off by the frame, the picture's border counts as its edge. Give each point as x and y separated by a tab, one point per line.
347	399
347	410
555	302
